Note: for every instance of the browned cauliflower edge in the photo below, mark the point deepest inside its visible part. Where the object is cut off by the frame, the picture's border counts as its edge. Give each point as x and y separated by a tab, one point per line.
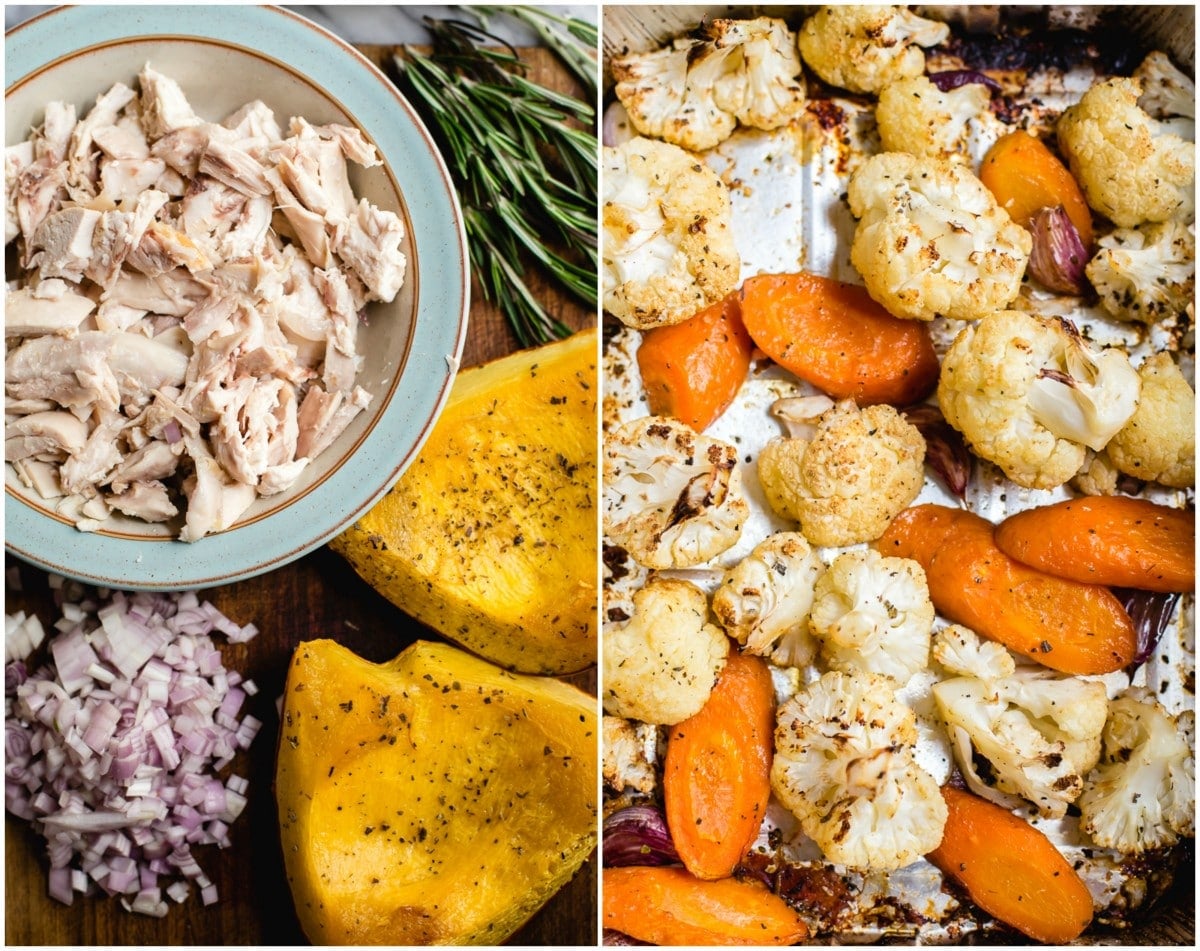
668	248
931	239
661	664
1130	168
1031	396
696	91
861	468
863	48
1158	443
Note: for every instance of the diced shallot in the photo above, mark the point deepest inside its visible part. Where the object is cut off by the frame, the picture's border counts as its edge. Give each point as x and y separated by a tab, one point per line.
112	750
22	636
60	885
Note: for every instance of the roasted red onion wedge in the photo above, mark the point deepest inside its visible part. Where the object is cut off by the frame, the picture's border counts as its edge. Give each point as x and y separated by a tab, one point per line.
953	78
1151	613
1058	258
638	835
945	450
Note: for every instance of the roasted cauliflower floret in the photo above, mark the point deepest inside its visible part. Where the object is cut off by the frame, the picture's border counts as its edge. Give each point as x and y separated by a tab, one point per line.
694	92
1158	444
961	651
914	116
863	48
1167	94
1146	274
931	239
1039	731
1142	795
630	754
1131	169
661	664
844	766
1030	395
669	97
861	468
873	613
668	244
1098	475
672	498
763	602
764	85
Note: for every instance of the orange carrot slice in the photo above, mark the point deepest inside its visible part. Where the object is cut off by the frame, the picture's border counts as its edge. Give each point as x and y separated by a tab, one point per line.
834	336
1011	870
717	774
669	906
693	370
1110	540
1025	177
1065	625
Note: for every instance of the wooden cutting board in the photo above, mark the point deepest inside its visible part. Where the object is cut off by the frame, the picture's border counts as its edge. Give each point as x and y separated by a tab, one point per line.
317	596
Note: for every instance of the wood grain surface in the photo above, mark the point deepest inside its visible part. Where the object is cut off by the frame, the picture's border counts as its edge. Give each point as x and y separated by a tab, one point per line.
317	596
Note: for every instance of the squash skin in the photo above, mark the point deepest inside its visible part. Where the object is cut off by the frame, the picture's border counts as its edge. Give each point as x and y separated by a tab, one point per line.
433	799
490	536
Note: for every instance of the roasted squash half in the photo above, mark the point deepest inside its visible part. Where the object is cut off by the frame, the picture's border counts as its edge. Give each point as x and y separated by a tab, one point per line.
490	535
434	799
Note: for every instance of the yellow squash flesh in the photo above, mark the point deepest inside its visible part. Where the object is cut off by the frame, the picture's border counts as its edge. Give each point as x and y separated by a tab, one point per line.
434	799
490	536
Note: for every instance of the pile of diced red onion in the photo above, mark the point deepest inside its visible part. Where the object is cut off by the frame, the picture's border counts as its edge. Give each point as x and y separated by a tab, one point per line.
112	750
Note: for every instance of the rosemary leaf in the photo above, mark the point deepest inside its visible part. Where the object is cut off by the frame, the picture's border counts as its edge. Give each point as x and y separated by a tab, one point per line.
574	47
523	157
498	267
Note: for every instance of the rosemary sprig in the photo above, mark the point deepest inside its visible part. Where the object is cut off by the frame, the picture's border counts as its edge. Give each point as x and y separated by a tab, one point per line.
524	160
574	46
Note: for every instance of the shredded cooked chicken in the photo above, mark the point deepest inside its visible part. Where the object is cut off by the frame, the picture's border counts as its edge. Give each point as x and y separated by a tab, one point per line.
182	337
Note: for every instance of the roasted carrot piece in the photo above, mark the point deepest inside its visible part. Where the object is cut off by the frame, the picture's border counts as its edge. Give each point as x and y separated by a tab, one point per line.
1109	539
1065	625
920	532
1011	870
693	370
717	774
834	336
669	906
1025	177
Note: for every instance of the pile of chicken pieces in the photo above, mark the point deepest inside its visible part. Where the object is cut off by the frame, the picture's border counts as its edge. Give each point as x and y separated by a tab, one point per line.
181	333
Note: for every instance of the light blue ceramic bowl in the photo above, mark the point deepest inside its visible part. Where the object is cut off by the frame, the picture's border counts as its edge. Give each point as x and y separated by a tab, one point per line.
224	56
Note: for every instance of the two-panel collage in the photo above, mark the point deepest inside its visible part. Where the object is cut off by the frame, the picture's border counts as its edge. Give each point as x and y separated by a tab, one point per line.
579	475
